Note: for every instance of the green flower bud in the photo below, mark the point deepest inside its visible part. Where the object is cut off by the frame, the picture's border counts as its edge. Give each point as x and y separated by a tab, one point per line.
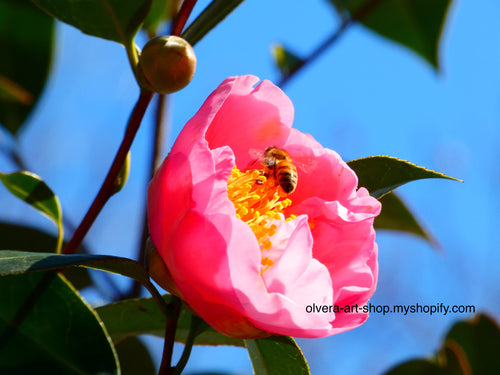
122	178
167	63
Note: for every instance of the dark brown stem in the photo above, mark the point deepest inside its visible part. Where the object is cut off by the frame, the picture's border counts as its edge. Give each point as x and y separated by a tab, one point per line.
168	346
176	29
360	13
158	141
108	186
182	17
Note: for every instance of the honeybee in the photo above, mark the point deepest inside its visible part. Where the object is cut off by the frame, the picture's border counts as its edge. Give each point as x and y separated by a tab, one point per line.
277	165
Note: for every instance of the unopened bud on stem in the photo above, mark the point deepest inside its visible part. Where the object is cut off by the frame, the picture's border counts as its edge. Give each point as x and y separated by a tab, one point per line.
167	63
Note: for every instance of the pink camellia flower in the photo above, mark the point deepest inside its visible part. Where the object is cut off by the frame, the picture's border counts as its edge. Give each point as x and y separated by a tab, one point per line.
248	260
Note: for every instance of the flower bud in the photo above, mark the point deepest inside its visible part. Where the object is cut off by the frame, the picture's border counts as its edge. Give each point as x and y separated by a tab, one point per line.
122	178
168	63
157	269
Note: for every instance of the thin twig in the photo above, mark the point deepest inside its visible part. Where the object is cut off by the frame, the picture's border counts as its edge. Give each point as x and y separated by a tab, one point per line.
176	28
157	147
362	12
159	134
108	185
188	346
158	140
318	51
168	346
182	17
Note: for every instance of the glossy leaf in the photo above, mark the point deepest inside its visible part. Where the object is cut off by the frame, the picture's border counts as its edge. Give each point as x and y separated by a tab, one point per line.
134	358
31	189
276	355
78	277
46	328
141	316
382	174
286	61
396	216
18	237
473	347
18	262
417	367
27	41
214	13
415	24
117	20
161	10
470	347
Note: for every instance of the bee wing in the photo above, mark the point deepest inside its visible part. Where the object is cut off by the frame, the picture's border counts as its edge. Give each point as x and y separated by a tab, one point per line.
256	157
305	164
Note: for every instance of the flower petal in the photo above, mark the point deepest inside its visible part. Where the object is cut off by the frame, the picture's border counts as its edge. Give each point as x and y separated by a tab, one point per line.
344	242
251	119
321	172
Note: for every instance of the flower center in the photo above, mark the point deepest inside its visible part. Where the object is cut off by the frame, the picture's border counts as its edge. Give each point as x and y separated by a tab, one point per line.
258	204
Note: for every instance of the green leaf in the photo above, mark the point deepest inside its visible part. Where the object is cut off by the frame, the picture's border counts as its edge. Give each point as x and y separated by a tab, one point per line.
18	237
396	216
117	20
214	13
141	316
78	277
161	10
276	355
382	174
17	262
417	367
134	358
27	41
46	328
31	189
286	61
415	24
471	347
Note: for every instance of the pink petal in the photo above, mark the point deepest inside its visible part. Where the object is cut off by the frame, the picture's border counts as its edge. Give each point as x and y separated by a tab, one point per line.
251	119
345	246
321	172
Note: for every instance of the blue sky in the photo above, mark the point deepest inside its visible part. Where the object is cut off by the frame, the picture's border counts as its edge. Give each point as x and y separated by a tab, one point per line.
365	96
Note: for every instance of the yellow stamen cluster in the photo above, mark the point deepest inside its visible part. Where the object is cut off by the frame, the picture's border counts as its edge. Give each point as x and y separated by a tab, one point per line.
257	203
